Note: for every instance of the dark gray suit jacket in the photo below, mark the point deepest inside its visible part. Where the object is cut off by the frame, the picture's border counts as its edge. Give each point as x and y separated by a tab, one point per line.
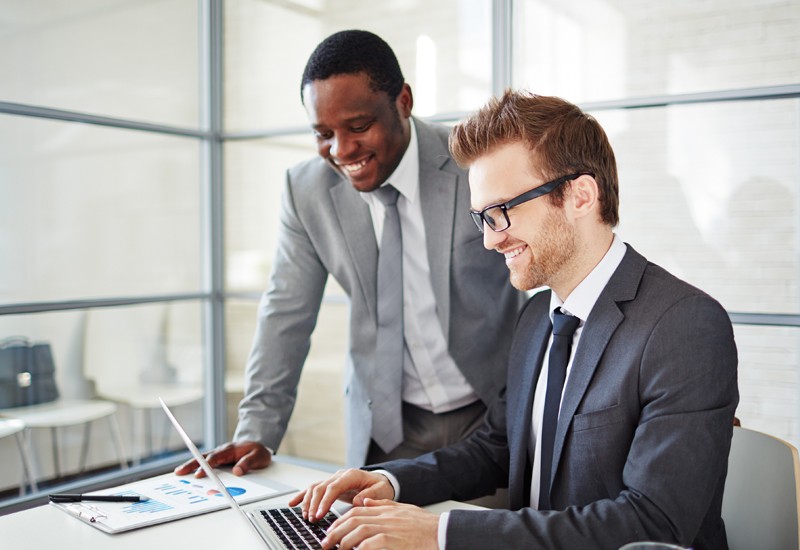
326	228
643	434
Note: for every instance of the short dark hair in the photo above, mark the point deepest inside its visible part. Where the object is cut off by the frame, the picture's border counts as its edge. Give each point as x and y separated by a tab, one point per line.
562	140
352	52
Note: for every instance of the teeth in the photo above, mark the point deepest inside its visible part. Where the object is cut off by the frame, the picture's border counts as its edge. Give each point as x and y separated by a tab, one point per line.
355	167
513	253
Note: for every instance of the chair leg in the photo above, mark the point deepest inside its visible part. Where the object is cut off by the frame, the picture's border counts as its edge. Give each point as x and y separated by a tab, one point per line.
54	443
27	467
117	437
148	432
35	463
166	432
87	433
137	439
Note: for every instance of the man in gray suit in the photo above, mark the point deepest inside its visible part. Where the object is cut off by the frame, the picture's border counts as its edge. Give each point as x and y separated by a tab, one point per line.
639	438
454	292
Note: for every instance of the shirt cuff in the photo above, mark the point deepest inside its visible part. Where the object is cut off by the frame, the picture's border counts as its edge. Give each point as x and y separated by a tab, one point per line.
392	480
441	536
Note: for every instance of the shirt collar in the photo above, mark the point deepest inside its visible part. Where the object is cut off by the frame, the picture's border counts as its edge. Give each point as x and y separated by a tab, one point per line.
581	300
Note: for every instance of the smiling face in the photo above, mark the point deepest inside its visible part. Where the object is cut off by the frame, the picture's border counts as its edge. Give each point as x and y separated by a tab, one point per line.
540	243
360	132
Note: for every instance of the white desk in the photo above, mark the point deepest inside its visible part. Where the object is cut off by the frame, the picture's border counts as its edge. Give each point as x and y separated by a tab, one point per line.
48	527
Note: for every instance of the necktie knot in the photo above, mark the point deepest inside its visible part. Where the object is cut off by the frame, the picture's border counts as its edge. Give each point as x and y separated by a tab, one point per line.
387	195
563	324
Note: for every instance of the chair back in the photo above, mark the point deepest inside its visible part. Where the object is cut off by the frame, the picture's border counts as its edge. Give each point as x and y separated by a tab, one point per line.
760	506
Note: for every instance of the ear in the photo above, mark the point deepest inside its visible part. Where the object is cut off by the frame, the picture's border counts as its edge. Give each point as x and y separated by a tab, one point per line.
584	196
405	101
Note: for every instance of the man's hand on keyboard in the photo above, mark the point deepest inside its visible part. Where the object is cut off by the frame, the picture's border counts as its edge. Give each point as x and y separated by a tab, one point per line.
384	524
244	455
349	485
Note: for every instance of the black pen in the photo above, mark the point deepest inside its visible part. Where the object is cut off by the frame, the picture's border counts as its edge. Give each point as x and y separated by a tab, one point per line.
73	497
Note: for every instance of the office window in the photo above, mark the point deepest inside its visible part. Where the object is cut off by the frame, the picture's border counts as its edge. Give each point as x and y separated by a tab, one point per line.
768	379
90	212
710	192
444	50
102	229
593	50
133	59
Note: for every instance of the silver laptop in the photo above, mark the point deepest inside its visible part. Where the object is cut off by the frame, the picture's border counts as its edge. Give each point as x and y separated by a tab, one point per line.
277	525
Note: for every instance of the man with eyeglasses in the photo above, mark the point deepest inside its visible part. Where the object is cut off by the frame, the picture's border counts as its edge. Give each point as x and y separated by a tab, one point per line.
422	290
617	418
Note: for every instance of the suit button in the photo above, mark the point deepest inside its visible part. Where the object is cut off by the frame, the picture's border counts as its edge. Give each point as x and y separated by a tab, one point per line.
369	403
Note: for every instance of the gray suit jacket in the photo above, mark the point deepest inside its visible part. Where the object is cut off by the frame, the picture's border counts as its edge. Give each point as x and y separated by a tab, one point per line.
643	434
326	229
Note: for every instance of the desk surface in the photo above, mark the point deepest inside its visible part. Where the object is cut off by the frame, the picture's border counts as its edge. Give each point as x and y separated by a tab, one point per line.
48	527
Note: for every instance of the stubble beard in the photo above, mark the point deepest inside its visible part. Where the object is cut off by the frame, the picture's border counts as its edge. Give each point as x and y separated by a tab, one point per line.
554	248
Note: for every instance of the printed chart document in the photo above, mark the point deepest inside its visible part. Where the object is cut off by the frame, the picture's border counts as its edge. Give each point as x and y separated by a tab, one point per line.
170	497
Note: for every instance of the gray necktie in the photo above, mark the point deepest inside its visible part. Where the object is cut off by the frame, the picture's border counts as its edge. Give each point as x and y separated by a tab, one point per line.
387	421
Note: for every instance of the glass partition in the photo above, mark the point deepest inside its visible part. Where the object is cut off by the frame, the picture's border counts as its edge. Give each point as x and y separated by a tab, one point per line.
444	50
87	211
134	60
710	192
600	50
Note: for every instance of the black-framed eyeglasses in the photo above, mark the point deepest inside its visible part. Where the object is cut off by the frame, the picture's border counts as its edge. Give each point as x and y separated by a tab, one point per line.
496	215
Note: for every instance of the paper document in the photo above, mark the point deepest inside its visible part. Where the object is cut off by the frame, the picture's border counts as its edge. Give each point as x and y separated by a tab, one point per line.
169	497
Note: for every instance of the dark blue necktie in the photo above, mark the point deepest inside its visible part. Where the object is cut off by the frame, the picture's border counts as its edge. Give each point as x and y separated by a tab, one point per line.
563	328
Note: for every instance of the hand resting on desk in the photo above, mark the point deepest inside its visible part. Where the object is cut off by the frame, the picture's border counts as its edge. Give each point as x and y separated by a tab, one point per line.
244	455
375	521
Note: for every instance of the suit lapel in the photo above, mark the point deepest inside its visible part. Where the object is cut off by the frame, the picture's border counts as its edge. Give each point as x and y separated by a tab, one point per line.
359	237
525	363
603	321
437	192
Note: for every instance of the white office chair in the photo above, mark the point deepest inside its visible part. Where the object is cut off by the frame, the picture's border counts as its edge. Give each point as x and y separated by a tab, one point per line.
760	506
16	427
63	413
127	355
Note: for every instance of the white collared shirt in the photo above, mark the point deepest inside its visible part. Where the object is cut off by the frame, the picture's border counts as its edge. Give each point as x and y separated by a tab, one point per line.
431	379
579	303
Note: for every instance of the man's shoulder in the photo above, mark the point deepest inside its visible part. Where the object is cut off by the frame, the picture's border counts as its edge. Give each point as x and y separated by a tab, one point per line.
314	169
441	131
311	179
658	289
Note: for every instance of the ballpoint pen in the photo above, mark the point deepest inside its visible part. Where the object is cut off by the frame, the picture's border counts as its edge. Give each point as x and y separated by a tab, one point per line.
73	497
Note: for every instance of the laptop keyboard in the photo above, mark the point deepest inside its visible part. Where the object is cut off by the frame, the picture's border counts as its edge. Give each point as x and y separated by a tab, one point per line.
294	531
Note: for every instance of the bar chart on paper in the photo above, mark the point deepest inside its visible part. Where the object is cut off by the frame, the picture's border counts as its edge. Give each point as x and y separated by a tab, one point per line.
169	497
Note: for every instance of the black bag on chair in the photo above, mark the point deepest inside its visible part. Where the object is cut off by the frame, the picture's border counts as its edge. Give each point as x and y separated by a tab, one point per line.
27	373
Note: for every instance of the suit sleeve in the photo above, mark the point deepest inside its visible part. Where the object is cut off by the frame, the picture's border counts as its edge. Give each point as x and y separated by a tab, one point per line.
287	315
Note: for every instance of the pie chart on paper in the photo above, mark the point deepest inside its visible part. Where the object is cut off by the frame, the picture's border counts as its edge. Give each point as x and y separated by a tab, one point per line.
233	491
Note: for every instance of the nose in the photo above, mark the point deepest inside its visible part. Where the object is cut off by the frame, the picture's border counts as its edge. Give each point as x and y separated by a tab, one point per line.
492	238
342	146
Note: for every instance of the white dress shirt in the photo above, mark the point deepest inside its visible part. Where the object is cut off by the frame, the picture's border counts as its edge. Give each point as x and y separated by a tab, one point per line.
431	379
579	303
